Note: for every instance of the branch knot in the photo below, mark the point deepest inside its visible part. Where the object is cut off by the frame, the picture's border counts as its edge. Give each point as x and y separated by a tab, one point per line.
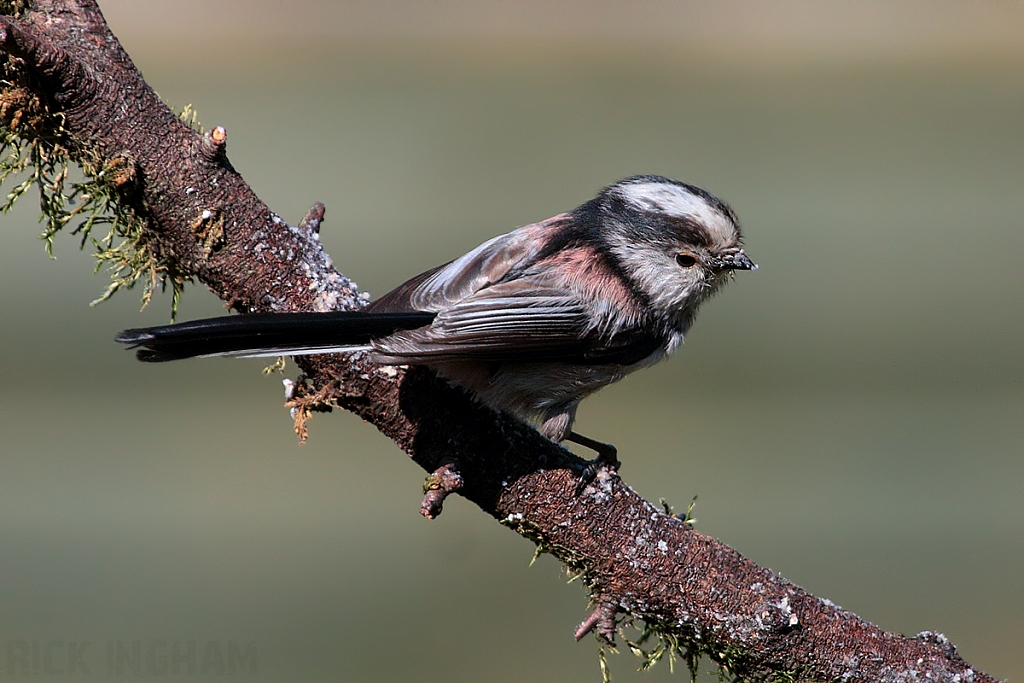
214	143
440	483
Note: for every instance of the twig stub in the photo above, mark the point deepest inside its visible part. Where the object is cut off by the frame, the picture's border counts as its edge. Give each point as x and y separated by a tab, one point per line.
439	484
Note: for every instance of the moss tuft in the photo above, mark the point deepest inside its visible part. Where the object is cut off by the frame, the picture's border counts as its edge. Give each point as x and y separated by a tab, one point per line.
105	208
13	7
190	118
303	401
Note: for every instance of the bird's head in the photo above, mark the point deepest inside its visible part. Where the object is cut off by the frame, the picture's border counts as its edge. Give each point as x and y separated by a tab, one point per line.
674	243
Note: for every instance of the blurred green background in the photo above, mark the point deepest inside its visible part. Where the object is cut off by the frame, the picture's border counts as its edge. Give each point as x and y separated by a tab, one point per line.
851	415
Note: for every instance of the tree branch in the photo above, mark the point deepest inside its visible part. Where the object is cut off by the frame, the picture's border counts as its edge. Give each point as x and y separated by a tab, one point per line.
71	90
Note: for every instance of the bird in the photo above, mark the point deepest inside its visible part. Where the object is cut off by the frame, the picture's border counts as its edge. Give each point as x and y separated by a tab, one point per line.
530	322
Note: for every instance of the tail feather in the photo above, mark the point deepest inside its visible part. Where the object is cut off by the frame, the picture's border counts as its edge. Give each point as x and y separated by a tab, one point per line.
268	334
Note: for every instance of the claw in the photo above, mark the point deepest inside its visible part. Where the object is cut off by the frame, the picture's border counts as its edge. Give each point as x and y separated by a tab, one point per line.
607	458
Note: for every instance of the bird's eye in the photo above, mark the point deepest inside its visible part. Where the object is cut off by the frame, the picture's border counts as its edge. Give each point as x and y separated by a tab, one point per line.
686	260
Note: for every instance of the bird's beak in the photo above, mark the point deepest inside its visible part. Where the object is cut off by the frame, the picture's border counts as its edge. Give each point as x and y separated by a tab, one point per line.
737	261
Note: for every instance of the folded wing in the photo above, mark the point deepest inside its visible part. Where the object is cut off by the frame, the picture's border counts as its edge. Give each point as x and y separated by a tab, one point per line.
523	320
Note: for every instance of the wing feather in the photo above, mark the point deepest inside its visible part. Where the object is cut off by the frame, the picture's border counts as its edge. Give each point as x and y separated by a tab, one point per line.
493	305
439	288
518	321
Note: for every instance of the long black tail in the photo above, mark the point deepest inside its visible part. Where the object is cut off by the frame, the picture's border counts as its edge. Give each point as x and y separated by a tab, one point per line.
268	334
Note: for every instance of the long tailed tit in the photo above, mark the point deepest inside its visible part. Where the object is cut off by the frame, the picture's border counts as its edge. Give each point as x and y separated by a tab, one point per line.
531	322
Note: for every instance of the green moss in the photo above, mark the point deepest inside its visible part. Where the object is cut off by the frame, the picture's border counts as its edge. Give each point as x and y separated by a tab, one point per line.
190	118
656	640
104	208
13	7
277	366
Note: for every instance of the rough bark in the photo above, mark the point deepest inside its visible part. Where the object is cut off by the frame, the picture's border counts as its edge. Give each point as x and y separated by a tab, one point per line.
202	220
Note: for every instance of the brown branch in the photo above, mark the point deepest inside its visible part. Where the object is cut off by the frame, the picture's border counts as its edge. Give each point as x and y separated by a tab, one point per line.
202	219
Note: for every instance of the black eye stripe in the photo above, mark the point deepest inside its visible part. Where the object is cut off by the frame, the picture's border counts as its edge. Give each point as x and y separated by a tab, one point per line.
687	231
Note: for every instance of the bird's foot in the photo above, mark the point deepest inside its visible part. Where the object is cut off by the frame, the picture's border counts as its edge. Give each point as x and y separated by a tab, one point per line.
607	458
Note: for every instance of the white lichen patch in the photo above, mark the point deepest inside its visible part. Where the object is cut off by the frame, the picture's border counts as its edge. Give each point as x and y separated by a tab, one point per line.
289	389
601	487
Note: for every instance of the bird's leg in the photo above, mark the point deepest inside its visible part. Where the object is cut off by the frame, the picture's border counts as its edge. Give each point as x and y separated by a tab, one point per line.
607	457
